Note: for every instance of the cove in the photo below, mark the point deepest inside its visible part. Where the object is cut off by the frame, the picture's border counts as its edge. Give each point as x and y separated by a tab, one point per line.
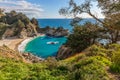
45	46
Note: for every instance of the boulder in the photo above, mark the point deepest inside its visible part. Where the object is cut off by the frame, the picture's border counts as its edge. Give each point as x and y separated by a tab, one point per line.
56	32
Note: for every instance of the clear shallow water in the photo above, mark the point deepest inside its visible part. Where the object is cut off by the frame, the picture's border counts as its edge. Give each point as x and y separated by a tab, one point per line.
40	47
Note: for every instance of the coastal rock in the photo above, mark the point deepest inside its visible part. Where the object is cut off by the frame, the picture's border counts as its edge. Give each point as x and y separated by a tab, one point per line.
64	52
19	32
31	58
8	33
20	26
59	32
54	32
23	33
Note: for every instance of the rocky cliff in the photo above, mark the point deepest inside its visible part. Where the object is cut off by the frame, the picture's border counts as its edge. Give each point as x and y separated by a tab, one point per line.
64	52
20	26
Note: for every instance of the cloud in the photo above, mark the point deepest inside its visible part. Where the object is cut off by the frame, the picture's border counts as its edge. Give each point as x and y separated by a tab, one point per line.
30	9
96	14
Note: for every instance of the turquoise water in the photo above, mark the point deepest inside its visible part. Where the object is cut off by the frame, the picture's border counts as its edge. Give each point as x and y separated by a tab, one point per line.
40	46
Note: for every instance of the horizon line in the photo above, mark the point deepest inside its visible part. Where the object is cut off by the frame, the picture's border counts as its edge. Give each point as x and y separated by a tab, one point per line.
67	18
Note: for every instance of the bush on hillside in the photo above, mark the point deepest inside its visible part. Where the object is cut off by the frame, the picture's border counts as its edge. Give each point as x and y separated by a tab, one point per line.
97	50
90	69
2	29
115	50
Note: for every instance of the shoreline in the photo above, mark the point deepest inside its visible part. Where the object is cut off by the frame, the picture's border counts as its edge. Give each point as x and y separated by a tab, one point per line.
13	43
21	46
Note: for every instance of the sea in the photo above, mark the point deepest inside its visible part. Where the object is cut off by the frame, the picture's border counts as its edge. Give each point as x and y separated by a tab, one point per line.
65	23
47	46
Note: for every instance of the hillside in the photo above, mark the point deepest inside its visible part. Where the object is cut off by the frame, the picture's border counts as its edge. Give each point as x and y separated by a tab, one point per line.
95	63
7	53
17	25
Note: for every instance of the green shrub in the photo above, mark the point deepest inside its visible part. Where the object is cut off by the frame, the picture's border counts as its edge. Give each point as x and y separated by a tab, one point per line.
115	58
2	29
90	69
91	65
115	68
96	50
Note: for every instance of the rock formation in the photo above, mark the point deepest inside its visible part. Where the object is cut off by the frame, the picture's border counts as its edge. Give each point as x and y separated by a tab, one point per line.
55	32
31	58
64	52
19	25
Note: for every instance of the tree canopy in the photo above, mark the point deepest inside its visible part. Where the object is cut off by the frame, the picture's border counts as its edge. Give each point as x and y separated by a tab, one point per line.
110	8
83	36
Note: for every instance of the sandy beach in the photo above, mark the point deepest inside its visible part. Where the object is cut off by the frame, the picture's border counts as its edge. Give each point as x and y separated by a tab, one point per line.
11	43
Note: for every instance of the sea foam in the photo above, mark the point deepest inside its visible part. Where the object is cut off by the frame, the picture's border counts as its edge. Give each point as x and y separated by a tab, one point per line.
21	47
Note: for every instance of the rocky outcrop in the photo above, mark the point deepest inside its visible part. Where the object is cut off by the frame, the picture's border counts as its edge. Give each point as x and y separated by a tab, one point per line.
31	58
55	32
20	32
20	26
64	52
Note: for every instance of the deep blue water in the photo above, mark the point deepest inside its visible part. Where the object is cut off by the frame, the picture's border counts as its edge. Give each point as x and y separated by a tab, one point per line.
39	46
65	23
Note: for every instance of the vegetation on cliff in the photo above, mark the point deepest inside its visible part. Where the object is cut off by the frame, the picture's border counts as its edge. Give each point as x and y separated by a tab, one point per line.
84	35
19	25
3	27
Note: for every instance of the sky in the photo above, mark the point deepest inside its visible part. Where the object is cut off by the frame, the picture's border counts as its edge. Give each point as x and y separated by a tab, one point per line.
43	8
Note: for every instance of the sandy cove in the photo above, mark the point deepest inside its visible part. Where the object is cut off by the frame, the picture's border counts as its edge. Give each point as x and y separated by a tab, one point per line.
14	43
